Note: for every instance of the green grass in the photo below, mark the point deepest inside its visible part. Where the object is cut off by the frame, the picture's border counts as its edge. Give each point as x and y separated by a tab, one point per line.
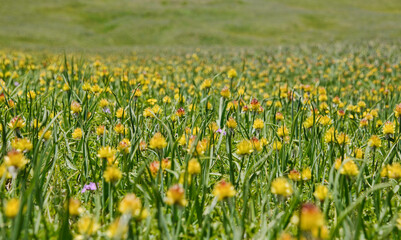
108	24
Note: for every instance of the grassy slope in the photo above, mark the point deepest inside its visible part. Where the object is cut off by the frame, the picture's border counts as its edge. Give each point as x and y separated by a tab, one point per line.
102	24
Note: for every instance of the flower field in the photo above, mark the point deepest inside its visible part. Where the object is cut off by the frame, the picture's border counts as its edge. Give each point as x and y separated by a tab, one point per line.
237	145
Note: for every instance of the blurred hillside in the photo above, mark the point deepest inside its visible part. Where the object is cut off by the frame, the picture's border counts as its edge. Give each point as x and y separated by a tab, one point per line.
114	24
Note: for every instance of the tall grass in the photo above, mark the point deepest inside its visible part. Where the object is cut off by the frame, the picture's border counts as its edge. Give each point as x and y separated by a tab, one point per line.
89	132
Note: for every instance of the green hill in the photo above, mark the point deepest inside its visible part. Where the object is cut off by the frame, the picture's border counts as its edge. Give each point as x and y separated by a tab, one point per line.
112	24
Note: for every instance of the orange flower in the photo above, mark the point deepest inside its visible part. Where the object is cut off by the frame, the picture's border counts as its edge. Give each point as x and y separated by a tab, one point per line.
223	190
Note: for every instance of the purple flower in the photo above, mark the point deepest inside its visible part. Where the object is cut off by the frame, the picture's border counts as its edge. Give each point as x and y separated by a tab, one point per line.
221	131
89	187
106	110
16	84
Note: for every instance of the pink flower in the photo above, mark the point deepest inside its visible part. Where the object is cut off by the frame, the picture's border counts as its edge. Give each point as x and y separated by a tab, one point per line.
89	187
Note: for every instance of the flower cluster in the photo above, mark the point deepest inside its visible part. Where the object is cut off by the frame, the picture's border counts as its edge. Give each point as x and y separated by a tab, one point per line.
290	145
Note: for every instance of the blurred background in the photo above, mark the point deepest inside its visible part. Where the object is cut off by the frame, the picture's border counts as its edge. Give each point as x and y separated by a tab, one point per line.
98	25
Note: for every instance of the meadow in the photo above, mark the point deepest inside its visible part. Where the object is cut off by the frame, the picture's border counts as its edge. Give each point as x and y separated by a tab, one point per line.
207	119
121	25
239	145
